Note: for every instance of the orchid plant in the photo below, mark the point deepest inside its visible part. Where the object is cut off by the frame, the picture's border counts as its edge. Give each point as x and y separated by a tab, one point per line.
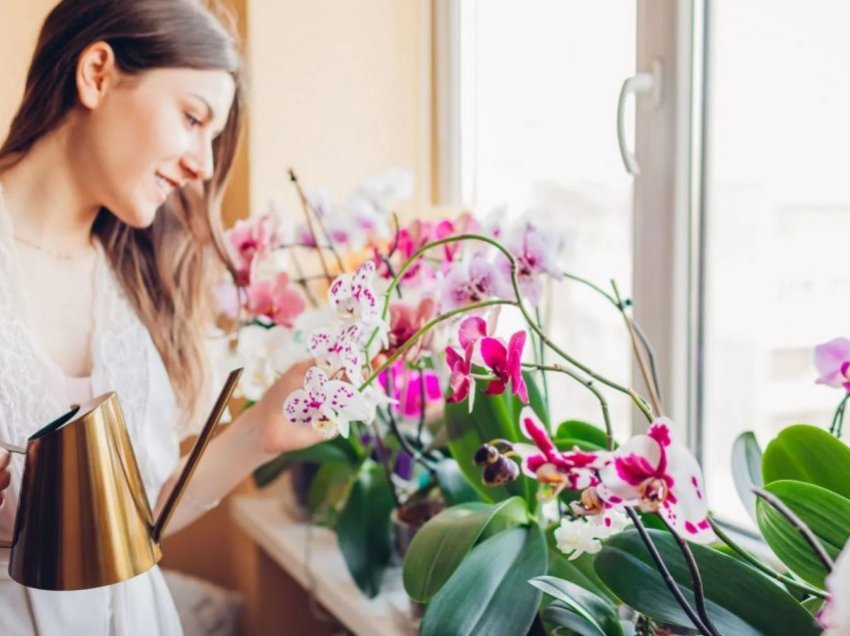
553	527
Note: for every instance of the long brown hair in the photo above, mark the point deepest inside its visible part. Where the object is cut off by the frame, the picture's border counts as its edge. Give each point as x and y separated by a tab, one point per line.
166	268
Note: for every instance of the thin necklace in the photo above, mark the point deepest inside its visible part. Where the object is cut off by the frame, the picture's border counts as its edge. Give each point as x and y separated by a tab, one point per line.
63	256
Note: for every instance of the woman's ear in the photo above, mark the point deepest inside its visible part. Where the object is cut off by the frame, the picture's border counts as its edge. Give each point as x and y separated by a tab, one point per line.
95	73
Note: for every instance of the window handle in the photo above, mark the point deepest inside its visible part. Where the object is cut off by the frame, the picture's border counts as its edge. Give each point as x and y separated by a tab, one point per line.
643	83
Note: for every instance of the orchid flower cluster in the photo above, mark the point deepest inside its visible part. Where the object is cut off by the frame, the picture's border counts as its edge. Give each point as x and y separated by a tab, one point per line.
653	472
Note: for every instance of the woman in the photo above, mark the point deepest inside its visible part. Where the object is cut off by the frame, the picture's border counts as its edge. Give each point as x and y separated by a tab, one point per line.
110	184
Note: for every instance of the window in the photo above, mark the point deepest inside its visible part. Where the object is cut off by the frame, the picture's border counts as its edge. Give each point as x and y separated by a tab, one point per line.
733	237
539	86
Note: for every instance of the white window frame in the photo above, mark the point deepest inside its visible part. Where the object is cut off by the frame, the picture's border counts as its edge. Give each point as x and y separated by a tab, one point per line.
668	211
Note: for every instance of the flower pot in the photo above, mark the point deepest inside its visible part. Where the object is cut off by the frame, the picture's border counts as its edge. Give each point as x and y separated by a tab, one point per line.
406	521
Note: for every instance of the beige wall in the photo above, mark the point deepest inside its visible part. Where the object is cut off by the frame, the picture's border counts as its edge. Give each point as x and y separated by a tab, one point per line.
340	91
19	24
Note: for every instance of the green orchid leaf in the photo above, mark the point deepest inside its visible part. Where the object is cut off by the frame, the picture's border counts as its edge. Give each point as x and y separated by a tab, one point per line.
587	433
740	600
363	528
746	469
825	513
489	592
561	616
493	417
442	543
455	487
595	611
810	454
338	450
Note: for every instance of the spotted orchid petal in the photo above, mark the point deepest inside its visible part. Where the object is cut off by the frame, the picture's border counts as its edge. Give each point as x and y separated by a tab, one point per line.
299	408
657	473
326	405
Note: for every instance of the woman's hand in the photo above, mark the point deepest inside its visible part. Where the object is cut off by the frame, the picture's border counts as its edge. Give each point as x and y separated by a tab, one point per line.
5	473
276	433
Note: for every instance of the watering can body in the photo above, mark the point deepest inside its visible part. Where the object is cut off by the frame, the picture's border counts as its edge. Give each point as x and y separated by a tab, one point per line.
83	517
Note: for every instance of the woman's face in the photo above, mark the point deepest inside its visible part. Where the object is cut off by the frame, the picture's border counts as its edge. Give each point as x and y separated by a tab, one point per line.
149	135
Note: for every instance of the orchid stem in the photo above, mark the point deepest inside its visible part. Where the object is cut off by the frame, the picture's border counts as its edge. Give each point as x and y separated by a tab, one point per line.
520	304
300	271
425	329
381	447
541	353
640	333
798	524
307	212
422	401
309	217
665	572
642	364
696	578
761	567
588	384
837	427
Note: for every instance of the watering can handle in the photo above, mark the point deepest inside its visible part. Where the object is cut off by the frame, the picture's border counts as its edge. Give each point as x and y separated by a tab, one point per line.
195	454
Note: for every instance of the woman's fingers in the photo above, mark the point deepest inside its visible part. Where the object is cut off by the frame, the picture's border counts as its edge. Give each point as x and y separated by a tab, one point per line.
5	473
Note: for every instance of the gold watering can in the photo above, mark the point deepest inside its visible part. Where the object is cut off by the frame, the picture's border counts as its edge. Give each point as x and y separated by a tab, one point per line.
83	517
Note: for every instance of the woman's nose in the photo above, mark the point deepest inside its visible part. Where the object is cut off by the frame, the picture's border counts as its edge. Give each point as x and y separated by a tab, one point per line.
199	161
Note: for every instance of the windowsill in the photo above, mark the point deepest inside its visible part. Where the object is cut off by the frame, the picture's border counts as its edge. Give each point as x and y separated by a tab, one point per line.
284	538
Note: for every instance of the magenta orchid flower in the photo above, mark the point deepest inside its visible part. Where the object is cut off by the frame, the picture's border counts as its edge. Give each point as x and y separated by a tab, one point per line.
471	331
461	381
276	300
659	474
329	406
506	363
832	360
835	615
542	461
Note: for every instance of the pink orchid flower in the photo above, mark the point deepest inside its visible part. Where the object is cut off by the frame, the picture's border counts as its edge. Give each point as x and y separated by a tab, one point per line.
832	360
835	615
535	256
506	363
249	240
405	321
575	469
340	349
276	300
471	280
461	382
659	474
329	406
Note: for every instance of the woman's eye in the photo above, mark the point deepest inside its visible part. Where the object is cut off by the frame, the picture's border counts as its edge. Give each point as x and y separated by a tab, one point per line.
192	120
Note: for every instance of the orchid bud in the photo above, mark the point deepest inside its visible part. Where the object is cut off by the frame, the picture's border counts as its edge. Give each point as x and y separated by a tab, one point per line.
501	471
486	454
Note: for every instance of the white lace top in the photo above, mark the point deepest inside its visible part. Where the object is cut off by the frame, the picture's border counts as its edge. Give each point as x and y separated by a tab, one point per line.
32	394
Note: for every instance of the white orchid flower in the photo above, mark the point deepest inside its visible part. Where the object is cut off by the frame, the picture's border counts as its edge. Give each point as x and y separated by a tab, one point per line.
835	616
329	406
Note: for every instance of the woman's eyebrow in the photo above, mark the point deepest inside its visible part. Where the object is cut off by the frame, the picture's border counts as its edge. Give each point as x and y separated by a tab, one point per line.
206	103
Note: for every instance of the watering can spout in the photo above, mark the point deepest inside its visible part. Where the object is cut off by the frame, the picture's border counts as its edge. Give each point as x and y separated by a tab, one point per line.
195	454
